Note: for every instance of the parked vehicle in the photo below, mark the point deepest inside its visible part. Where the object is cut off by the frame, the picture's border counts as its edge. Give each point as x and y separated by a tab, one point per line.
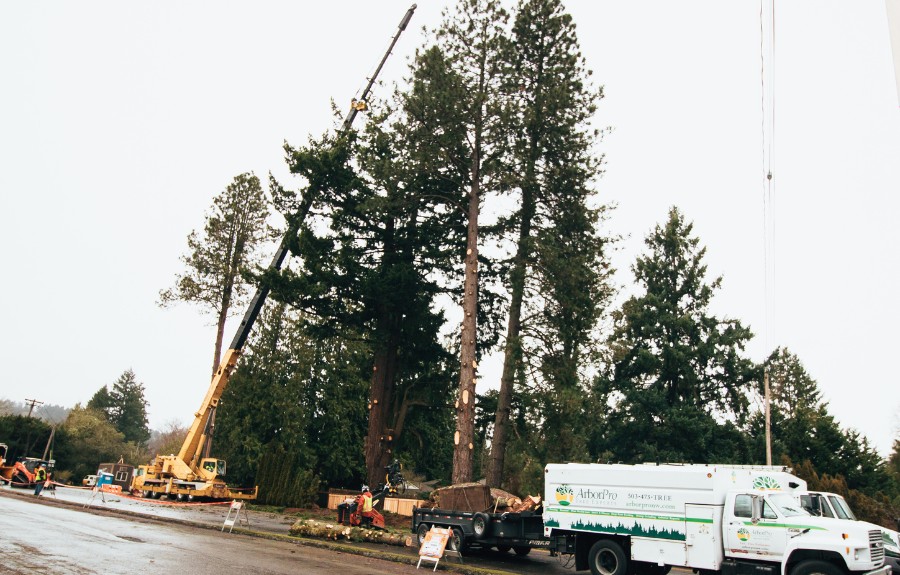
21	473
646	519
503	531
89	481
733	520
824	504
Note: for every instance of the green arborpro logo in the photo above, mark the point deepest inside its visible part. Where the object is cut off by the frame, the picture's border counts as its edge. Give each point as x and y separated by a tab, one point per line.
564	495
743	534
764	482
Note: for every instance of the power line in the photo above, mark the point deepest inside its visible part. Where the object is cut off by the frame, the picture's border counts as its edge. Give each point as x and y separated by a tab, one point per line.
31	403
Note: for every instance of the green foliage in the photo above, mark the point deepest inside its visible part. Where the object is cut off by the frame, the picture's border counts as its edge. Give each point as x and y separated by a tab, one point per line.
678	371
128	408
124	407
86	439
24	436
284	479
234	231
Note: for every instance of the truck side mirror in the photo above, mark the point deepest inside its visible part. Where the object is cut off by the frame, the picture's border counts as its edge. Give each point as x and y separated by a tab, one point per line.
756	504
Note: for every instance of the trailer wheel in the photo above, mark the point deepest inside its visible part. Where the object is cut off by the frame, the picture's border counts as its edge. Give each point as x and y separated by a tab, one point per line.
421	532
607	558
457	540
815	568
522	550
480	525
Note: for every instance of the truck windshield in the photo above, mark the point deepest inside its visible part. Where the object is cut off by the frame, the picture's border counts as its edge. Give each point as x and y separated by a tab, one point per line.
841	508
787	505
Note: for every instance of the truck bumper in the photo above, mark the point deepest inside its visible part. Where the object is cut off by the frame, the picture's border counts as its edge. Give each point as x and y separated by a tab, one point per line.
883	570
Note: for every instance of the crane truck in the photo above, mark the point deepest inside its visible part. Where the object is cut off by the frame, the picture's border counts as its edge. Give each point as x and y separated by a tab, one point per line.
646	519
193	473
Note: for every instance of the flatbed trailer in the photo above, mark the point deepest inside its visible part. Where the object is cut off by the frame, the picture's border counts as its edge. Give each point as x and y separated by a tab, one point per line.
520	532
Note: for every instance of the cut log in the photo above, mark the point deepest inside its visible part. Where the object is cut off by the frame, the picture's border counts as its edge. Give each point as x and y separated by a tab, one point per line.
470	497
337	532
530	503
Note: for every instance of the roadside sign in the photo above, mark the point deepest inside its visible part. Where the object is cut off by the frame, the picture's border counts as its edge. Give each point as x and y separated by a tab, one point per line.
236	507
433	546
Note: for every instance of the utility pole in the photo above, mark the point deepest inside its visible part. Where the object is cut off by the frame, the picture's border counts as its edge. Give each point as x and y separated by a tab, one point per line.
768	420
31	403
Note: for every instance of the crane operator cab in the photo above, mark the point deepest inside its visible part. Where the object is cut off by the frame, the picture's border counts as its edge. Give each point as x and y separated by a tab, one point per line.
210	468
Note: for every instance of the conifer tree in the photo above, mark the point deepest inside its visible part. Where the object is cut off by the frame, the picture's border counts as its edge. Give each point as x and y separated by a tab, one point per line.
679	373
554	230
234	230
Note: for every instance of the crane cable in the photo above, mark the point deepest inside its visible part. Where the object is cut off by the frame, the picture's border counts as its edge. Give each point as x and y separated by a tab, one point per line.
767	80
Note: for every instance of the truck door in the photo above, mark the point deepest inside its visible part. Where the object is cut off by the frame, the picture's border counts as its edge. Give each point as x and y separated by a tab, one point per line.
765	540
703	541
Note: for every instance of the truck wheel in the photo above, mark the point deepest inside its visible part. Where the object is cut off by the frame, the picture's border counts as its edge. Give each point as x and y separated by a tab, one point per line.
607	558
422	530
522	550
146	494
457	540
815	568
480	525
503	548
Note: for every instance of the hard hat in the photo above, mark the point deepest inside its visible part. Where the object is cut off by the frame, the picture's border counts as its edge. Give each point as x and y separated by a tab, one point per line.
365	487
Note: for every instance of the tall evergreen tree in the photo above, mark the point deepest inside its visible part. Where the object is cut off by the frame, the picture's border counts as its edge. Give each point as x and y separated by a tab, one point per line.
367	268
102	402
473	39
678	371
235	228
554	166
128	411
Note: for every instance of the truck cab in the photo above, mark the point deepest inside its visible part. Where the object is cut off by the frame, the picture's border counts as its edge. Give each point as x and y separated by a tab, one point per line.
773	527
834	506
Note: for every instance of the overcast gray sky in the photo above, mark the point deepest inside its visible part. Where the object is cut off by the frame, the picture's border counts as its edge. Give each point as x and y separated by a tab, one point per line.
120	121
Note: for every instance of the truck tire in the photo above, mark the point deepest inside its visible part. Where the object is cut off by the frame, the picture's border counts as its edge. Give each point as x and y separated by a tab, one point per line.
480	524
607	558
504	548
457	540
522	550
816	568
421	531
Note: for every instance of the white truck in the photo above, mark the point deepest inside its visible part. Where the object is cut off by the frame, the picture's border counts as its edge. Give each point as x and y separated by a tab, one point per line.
733	520
825	504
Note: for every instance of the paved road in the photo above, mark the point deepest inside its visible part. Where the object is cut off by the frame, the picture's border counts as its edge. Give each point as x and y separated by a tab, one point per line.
145	514
57	540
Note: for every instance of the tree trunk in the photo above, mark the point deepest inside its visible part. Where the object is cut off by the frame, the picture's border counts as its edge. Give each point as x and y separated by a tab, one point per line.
464	437
512	354
380	440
